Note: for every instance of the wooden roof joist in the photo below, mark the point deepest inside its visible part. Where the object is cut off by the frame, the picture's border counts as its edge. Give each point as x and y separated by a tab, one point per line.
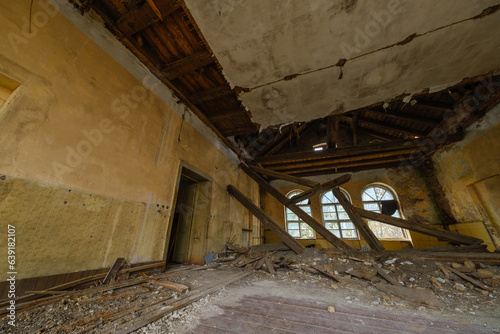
187	64
351	151
143	16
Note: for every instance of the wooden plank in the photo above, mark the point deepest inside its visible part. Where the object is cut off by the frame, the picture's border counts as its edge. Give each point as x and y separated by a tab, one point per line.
361	225
493	258
403	117
170	285
187	64
227	114
320	188
420	228
266	220
142	17
354	128
152	315
210	94
111	275
270	267
386	276
469	279
325	233
286	177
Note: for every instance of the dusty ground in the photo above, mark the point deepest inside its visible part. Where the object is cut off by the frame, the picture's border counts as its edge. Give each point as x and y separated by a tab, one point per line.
93	312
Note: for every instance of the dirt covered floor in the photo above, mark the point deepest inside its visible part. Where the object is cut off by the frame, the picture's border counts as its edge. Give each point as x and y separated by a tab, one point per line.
229	295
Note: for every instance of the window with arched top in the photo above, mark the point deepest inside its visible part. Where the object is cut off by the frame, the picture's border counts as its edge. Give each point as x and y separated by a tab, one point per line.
335	219
294	225
381	199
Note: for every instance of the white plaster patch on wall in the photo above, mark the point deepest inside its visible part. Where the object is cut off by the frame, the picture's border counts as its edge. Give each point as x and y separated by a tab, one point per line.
102	37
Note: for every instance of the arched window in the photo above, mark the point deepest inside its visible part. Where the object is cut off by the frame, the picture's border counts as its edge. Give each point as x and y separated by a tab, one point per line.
376	196
335	218
294	225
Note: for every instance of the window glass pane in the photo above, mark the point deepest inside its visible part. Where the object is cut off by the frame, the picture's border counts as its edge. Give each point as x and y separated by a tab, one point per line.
336	233
328	208
307	231
347	226
369	195
294	233
371	206
292	216
343	215
306	209
330	216
293	226
349	233
379	192
332	226
328	198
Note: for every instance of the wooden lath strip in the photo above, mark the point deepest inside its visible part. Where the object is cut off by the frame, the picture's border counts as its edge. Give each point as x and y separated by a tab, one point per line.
143	16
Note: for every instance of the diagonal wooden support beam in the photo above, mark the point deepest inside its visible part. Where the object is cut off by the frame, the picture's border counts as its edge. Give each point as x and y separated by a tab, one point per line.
286	177
420	228
266	220
323	231
362	226
320	188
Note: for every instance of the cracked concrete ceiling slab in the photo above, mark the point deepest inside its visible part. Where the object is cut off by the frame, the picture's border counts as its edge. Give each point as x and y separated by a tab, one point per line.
302	60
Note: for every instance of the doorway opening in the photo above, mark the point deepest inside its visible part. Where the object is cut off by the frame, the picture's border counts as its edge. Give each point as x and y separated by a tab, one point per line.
189	227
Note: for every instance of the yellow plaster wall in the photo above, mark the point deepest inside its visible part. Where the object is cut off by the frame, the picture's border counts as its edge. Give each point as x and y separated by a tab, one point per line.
114	196
469	173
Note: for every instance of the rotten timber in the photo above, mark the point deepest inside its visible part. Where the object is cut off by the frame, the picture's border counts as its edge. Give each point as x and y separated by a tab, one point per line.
266	220
420	228
361	225
320	188
322	230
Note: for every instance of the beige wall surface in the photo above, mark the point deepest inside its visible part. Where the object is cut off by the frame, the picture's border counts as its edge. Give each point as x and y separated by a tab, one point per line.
90	158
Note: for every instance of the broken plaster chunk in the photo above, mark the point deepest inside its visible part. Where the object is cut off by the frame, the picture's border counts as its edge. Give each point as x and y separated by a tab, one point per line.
459	287
469	265
331	309
391	261
456	265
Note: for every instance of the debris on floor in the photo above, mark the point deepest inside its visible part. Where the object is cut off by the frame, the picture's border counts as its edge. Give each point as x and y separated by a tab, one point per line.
169	301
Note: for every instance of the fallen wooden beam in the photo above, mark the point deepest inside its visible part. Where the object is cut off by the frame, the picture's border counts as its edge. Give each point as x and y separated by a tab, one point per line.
111	275
420	228
322	230
320	188
361	225
286	177
469	279
386	276
266	220
155	314
170	285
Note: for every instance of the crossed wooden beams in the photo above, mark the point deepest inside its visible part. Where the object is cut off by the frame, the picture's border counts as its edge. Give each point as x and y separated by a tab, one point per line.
355	214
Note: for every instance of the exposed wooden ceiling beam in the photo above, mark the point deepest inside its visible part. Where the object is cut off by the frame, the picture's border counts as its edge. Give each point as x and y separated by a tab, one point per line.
227	115
143	16
313	172
354	128
239	131
283	176
433	105
210	94
382	126
187	64
403	117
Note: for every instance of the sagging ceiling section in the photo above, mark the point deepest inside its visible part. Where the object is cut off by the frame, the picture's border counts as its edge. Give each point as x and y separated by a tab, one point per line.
369	79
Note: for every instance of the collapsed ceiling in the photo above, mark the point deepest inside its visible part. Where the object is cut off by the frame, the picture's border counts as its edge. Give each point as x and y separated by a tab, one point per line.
338	74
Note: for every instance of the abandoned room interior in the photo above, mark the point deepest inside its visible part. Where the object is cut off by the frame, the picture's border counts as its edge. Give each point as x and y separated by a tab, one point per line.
267	166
